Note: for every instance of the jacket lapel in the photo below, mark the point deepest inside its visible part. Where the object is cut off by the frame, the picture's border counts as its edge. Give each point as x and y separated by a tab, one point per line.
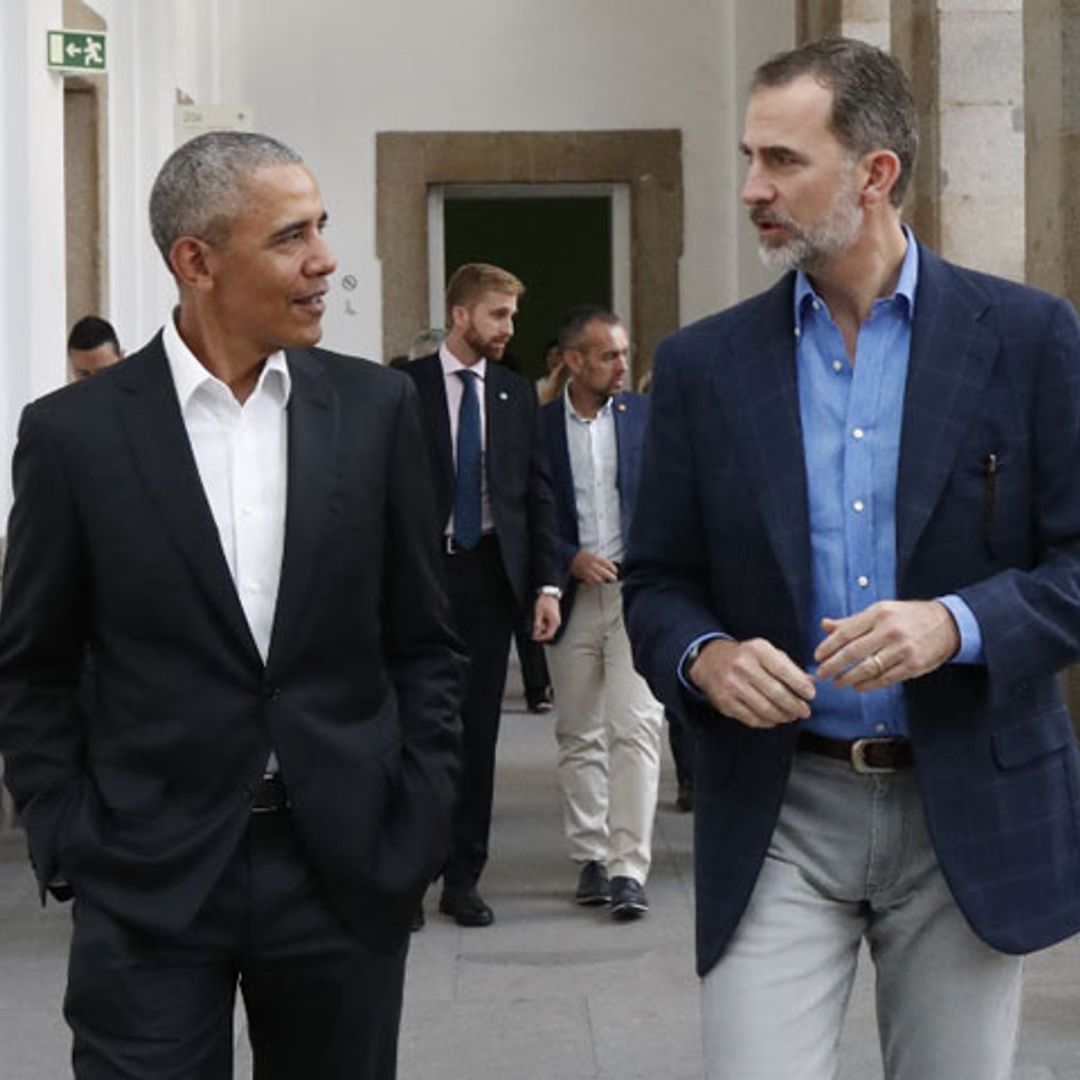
952	355
562	476
757	389
312	472
150	413
431	387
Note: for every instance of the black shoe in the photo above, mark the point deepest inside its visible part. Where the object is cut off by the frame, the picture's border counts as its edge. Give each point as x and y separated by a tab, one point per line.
684	801
417	919
627	899
466	906
540	701
593	887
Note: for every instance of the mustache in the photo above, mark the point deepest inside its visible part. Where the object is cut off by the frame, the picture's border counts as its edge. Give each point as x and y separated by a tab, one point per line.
762	215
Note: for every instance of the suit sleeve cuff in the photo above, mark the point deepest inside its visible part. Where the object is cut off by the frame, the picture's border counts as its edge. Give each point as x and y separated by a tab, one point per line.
692	650
971	647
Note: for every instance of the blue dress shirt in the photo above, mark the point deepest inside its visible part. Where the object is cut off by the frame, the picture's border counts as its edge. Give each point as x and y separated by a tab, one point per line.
851	419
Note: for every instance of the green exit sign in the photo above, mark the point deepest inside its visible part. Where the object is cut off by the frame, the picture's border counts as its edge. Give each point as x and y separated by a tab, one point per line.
76	50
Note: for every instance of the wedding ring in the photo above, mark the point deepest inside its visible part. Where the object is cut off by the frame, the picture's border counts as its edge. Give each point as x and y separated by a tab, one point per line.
879	667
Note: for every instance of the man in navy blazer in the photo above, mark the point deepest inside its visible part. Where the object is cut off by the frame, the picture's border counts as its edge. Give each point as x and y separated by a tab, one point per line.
860	570
608	724
228	686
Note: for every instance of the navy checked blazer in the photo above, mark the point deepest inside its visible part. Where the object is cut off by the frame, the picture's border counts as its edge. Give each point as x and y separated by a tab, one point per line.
631	413
994	370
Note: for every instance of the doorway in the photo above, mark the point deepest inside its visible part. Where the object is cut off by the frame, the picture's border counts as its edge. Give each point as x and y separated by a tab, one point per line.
569	244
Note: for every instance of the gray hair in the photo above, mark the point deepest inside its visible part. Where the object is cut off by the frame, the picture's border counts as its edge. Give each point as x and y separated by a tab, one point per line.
427	341
873	107
200	188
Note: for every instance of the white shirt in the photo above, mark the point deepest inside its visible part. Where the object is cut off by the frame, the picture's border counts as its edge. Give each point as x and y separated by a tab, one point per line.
241	452
594	463
454	390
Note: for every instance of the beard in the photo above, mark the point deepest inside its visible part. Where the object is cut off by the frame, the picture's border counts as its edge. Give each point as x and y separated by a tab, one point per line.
489	348
809	246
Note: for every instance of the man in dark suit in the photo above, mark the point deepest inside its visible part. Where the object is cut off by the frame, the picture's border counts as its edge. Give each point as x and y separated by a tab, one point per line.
609	724
228	687
872	469
496	525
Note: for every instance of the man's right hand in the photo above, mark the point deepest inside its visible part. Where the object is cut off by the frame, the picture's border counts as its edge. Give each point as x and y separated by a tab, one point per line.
752	682
593	569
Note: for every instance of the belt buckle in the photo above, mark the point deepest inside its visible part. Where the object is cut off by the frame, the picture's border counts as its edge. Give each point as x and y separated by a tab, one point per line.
858	757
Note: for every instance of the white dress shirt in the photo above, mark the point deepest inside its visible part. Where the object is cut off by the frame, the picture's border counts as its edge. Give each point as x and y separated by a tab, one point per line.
594	463
454	391
242	456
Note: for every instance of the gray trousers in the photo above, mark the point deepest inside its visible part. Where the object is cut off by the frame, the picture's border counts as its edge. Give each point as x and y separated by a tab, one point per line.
850	859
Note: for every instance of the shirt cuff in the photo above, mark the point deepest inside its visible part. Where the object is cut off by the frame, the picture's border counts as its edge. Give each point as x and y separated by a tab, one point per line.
681	670
971	647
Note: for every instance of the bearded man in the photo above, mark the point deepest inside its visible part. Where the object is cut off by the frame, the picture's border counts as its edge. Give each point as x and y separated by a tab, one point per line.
496	514
860	573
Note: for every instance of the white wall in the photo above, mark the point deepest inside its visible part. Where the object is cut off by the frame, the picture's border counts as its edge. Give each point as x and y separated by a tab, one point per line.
327	77
32	267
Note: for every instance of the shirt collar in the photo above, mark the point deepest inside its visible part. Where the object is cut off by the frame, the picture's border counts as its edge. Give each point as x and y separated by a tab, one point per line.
906	284
604	411
450	363
189	375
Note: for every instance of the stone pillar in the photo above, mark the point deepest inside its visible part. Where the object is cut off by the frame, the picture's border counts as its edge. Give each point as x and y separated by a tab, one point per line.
867	20
968	201
1052	136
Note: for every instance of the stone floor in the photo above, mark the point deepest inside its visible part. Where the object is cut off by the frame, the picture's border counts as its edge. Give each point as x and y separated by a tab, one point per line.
550	992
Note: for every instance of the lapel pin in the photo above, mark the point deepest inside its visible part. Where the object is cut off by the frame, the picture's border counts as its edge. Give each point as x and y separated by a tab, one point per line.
503	395
621	406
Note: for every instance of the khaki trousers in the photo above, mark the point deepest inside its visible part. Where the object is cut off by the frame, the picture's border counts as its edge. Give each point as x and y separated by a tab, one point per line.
608	731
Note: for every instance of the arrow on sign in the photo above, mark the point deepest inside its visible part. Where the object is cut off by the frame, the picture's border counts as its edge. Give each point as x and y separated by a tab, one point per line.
73	50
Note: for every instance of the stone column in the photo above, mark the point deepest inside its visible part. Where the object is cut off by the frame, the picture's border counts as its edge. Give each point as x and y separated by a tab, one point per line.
867	20
1052	135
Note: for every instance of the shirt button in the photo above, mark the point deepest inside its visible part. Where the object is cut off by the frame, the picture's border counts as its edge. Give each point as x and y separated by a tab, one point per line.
858	433
817	305
862	581
838	365
858	506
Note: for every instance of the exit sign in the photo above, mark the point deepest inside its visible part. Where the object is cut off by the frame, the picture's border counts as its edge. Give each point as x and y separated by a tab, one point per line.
79	51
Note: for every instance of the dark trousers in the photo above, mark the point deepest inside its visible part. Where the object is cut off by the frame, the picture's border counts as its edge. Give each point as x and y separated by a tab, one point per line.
534	669
319	1003
484	611
681	740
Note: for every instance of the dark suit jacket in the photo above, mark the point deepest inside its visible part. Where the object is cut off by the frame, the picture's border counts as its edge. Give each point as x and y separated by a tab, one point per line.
631	413
994	369
518	483
136	790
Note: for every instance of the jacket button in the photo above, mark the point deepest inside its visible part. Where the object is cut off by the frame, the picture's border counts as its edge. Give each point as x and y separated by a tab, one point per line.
271	692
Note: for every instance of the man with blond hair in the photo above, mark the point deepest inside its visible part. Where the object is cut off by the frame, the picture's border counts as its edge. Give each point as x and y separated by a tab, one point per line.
497	531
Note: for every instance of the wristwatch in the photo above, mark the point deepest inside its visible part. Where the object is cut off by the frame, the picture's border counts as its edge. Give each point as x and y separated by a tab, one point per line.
550	590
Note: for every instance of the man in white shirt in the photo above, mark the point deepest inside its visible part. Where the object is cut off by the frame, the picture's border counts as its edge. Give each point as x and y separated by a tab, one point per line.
228	688
609	724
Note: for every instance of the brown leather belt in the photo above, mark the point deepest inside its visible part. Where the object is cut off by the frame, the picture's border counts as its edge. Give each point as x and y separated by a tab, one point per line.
268	796
863	755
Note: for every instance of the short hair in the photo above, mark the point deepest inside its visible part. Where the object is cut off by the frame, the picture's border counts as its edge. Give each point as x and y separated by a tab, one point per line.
426	342
201	187
577	320
90	332
471	280
873	107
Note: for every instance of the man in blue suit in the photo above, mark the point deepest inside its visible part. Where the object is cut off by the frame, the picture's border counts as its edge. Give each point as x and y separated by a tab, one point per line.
608	727
860	569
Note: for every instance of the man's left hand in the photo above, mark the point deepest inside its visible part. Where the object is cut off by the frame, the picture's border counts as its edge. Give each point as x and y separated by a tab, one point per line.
546	618
887	643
